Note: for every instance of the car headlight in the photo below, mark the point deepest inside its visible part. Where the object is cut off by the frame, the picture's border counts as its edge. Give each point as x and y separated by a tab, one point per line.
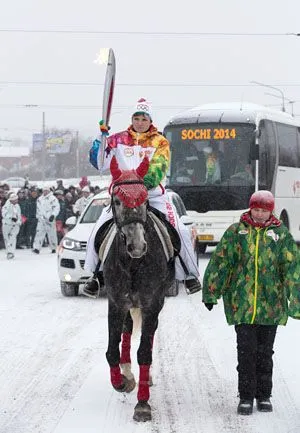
71	244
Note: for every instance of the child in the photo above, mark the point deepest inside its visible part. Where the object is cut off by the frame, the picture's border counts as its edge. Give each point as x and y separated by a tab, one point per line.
256	269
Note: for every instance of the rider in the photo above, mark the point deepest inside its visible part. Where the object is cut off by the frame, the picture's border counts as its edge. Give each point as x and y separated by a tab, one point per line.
130	146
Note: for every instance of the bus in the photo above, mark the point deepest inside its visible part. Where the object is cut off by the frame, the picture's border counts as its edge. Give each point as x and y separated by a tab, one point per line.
221	153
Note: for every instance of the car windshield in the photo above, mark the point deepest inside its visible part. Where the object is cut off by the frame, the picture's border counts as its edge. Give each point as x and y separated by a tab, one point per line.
94	210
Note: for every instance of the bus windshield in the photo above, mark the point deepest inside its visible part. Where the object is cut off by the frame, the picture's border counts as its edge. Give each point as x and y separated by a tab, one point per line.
203	154
213	158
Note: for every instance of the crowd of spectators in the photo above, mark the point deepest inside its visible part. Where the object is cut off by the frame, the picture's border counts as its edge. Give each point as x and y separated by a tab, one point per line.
72	201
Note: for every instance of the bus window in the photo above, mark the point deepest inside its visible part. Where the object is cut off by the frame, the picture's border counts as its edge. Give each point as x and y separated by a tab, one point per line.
298	141
288	147
267	154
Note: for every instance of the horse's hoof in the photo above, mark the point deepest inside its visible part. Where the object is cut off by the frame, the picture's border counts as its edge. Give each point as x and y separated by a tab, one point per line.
130	385
127	385
142	412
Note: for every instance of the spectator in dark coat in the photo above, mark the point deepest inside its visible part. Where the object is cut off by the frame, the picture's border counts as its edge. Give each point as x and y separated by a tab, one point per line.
59	185
73	191
2	202
31	217
62	216
23	203
69	201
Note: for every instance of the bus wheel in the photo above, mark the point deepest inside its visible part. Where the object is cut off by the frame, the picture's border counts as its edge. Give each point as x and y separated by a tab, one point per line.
285	220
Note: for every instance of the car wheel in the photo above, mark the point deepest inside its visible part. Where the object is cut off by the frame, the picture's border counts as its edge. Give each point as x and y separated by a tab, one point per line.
173	290
69	289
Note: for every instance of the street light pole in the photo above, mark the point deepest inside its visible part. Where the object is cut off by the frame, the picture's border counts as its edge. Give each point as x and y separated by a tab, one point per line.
289	101
274	88
77	154
292	106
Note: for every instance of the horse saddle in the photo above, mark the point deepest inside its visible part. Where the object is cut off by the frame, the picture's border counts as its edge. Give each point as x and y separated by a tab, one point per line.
167	234
104	238
165	231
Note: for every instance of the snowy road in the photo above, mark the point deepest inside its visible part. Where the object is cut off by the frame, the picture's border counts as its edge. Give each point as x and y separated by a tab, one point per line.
54	376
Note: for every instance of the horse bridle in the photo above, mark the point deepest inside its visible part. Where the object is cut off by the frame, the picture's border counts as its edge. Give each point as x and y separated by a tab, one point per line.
131	219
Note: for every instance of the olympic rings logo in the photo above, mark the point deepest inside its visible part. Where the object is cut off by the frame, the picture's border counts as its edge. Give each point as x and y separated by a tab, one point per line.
142	107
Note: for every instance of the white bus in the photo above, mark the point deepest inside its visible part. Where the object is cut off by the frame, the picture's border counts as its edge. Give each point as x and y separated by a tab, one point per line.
221	153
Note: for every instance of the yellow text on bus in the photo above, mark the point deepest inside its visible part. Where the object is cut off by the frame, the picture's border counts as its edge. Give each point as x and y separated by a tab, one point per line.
208	134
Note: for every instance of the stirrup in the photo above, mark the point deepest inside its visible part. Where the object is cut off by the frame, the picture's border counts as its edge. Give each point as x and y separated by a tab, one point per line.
92	292
192	285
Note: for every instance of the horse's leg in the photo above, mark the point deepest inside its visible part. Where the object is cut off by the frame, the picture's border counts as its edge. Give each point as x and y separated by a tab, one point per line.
115	325
125	360
142	411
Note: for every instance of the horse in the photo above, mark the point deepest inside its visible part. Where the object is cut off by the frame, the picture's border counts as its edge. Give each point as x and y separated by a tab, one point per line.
137	273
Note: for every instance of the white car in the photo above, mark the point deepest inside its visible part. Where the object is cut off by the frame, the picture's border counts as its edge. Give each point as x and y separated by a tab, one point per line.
15	182
72	248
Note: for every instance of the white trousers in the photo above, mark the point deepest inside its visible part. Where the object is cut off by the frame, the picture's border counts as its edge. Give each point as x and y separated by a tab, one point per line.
10	233
161	203
43	228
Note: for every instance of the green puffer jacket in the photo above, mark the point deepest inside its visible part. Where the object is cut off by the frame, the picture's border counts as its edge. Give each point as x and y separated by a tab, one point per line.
257	272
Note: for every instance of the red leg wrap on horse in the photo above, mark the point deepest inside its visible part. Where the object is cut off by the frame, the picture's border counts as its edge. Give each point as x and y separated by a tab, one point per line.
125	348
115	376
143	392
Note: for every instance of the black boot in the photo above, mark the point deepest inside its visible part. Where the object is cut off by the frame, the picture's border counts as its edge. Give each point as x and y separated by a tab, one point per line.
264	405
245	407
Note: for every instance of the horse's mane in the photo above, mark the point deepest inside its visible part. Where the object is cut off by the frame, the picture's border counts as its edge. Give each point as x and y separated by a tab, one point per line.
129	188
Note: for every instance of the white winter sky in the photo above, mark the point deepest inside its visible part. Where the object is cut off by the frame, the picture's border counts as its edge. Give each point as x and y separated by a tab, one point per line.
167	69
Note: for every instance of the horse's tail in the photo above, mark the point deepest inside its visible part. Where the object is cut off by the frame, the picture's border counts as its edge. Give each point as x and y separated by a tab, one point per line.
136	315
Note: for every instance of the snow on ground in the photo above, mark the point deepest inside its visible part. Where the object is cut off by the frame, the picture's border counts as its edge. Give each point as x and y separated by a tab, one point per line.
55	379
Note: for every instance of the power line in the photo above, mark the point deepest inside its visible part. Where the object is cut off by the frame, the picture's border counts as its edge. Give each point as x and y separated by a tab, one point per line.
97	107
134	33
88	107
82	83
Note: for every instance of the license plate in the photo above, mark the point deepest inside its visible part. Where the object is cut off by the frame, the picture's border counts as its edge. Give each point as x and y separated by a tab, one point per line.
205	237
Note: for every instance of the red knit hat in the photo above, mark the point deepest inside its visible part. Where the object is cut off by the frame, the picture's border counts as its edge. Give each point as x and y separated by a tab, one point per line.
262	199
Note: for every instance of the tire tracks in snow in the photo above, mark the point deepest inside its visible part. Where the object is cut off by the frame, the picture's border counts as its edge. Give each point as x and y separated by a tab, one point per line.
188	394
46	354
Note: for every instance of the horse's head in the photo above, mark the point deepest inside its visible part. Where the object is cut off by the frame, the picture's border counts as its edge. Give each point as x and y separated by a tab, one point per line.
129	205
